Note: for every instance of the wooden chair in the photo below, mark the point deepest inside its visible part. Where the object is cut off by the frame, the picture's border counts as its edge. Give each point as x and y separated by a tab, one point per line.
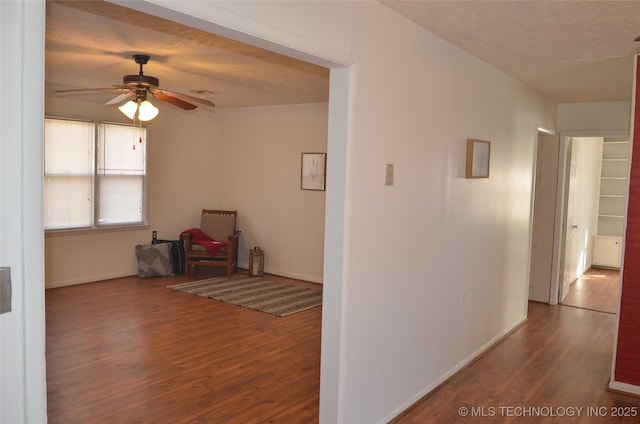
220	226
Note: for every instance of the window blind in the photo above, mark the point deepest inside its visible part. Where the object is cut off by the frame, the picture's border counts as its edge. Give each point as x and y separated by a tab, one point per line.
68	169
121	171
93	181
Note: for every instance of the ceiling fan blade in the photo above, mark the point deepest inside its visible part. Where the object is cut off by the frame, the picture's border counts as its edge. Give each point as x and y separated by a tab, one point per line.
173	100
142	85
120	98
189	98
84	89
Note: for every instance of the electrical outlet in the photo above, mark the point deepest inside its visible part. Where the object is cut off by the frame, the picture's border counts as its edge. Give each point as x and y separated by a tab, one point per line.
388	174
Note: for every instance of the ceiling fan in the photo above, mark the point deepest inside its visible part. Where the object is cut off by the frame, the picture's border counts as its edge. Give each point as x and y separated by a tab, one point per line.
137	87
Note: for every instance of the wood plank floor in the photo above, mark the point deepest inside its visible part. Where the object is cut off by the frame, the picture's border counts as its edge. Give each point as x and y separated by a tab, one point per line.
132	351
560	358
597	290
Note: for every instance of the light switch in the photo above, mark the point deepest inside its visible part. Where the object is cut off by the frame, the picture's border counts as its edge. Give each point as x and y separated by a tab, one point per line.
388	175
5	289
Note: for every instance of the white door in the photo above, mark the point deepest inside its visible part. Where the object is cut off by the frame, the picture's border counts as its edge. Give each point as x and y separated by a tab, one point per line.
570	260
584	164
544	204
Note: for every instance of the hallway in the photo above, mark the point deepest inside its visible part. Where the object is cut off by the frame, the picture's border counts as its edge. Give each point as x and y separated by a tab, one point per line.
555	368
596	290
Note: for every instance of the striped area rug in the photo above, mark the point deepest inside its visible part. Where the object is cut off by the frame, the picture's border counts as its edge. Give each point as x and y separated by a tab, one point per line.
255	293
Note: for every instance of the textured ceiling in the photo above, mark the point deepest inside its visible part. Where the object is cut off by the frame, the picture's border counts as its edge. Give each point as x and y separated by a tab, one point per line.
572	51
89	44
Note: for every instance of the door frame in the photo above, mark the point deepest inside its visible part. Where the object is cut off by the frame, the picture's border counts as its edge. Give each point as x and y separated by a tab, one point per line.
541	133
559	233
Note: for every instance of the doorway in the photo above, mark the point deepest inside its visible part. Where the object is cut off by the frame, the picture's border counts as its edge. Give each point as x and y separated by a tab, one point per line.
334	234
578	220
596	211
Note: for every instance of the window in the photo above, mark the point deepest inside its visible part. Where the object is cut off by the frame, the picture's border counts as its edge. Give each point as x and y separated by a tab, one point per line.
94	174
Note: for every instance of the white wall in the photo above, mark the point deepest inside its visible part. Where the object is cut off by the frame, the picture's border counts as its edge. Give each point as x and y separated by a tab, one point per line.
412	251
457	279
262	151
594	117
247	160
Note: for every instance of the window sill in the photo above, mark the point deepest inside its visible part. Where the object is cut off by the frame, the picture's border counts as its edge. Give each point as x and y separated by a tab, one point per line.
81	231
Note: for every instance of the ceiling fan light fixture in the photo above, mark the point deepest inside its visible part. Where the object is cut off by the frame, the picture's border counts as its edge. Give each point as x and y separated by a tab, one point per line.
144	110
147	111
129	109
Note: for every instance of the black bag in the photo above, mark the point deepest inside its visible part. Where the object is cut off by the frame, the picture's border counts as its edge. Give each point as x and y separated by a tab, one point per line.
177	252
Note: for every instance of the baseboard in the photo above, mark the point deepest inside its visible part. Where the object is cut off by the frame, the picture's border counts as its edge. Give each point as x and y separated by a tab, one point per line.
284	273
406	406
630	389
93	279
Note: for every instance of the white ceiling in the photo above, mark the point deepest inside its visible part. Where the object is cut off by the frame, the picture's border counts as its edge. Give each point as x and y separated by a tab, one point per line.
572	51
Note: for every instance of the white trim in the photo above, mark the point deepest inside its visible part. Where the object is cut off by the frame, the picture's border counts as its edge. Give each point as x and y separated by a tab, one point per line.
624	387
597	133
560	220
220	19
33	248
541	131
532	199
546	130
23	395
284	273
337	247
93	279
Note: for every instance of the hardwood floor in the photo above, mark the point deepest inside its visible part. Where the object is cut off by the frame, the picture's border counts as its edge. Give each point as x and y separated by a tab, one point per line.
130	350
596	290
559	359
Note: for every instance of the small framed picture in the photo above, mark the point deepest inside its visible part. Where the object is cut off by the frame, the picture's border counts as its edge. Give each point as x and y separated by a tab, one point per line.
314	166
478	158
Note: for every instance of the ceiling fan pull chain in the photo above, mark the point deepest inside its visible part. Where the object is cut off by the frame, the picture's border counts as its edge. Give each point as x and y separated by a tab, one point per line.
140	136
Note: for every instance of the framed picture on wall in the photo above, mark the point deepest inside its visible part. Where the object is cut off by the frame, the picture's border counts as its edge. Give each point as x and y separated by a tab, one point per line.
313	169
478	158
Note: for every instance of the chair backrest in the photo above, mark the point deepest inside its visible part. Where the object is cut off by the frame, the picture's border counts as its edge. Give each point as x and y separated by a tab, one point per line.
218	224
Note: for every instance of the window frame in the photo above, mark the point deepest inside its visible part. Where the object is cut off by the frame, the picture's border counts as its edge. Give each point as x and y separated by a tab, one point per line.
95	198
